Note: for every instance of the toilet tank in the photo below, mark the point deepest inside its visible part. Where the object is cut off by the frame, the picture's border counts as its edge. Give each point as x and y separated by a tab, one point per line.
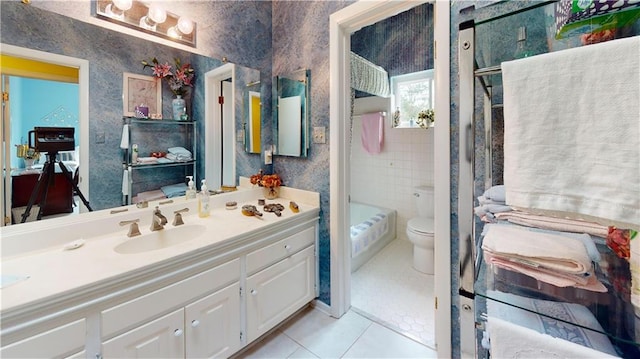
423	196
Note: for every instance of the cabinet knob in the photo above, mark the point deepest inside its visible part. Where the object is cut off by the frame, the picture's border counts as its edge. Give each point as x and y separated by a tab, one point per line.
287	247
195	323
254	292
177	332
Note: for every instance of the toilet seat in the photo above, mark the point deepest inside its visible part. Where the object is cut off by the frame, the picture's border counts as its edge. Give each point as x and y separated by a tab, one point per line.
421	225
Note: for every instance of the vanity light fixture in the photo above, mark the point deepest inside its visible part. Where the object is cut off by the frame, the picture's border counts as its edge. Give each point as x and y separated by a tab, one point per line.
147	16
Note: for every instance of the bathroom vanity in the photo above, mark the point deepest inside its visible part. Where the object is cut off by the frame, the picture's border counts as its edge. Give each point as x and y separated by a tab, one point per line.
206	288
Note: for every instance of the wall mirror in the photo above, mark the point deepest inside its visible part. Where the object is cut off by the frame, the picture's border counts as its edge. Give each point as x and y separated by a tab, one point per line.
252	115
101	132
291	114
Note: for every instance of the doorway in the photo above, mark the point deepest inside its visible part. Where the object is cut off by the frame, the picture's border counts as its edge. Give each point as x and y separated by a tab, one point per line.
342	24
24	65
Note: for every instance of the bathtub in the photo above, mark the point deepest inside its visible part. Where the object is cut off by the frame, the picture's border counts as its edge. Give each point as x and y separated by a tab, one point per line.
371	229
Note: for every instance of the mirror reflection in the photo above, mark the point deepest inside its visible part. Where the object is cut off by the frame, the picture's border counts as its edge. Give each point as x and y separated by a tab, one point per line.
291	114
403	86
252	114
99	119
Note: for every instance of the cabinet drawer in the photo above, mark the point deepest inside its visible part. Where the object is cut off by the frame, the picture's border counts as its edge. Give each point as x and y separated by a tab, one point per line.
143	308
57	342
272	253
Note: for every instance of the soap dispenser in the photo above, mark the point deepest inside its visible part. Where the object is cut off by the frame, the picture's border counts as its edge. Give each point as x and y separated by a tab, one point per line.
191	190
203	201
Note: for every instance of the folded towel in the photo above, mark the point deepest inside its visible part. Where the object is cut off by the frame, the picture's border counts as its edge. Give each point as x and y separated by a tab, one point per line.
540	327
179	151
571	130
372	132
124	142
539	250
178	157
149	196
495	194
147	160
174	190
586	281
552	223
587	240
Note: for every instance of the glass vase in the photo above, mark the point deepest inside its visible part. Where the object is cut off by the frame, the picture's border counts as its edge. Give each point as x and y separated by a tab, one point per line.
178	107
271	192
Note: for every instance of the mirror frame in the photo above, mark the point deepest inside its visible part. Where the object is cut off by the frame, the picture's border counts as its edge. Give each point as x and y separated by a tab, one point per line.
303	76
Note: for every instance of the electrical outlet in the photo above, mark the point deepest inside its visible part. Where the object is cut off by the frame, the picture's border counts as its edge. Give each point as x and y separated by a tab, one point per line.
100	137
319	135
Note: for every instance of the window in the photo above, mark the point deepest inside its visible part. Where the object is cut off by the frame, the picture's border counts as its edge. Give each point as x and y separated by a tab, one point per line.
410	94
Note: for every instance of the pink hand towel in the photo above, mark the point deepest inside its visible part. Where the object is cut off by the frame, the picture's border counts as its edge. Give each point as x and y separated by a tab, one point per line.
372	130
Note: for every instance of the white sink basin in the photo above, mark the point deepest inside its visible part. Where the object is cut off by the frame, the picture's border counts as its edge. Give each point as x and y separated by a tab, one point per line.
160	239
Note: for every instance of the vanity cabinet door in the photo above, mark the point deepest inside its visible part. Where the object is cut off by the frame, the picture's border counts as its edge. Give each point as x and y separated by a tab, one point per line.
278	291
213	324
161	338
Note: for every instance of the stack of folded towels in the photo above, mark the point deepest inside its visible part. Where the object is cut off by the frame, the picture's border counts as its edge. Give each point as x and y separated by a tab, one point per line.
557	258
179	154
491	202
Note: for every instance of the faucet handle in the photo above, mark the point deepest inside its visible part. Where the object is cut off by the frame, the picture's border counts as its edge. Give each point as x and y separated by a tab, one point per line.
177	220
133	229
142	204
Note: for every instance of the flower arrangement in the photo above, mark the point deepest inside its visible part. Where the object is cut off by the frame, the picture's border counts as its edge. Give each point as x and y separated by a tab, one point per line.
426	118
178	79
269	181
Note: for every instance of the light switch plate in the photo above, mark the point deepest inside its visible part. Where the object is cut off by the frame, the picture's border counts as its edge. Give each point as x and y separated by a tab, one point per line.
319	134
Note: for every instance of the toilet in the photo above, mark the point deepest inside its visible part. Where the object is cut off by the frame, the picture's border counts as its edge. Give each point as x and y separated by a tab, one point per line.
420	230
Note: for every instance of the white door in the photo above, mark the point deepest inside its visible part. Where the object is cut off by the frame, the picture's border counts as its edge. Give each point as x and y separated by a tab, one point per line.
213	324
278	291
161	338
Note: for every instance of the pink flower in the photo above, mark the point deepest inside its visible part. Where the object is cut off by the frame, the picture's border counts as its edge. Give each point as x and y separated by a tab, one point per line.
162	70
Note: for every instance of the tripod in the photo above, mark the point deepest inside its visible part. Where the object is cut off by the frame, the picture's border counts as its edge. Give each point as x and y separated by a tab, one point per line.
47	177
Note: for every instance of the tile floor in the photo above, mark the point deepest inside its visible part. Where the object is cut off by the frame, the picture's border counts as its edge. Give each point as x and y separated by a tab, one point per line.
314	334
388	290
392	316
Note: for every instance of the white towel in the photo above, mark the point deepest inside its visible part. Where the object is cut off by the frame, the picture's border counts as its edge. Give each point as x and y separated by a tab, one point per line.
572	131
125	183
124	142
510	340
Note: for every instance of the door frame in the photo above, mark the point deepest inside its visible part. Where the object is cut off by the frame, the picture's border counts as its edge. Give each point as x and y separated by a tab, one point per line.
342	23
83	105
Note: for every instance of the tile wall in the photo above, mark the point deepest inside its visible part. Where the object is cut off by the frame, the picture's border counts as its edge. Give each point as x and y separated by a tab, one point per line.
388	178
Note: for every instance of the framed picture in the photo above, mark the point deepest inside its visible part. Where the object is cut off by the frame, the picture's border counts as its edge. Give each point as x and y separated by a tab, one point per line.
141	89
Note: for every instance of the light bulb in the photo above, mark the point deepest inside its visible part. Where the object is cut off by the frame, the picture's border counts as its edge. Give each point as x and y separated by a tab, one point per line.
183	27
156	15
117	8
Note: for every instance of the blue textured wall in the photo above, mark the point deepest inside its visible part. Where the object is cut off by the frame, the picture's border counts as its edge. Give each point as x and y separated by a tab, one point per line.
301	40
110	53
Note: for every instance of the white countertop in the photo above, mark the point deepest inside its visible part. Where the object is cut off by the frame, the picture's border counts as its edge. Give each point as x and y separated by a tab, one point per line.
53	271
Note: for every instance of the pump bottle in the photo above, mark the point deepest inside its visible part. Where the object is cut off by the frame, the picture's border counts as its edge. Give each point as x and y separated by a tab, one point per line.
191	190
203	201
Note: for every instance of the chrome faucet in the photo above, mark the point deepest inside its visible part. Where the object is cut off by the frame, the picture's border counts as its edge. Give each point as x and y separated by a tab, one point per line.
158	220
